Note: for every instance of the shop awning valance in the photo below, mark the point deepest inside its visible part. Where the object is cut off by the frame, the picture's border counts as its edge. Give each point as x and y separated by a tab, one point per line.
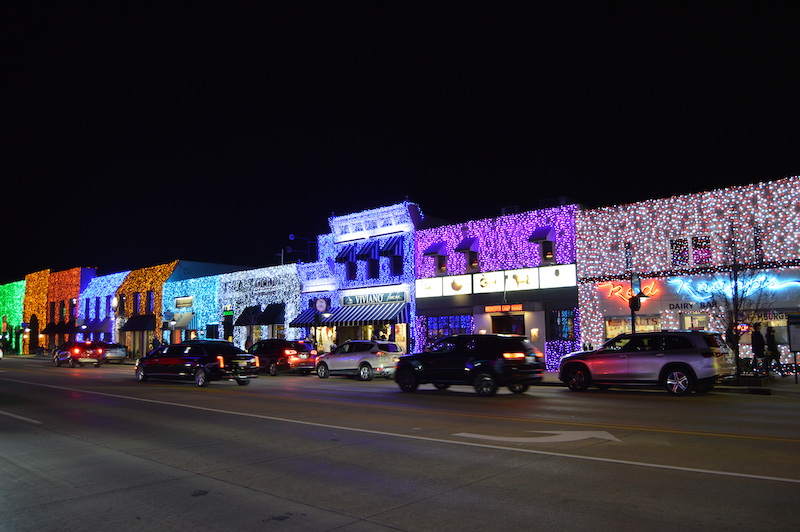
353	315
541	234
140	322
368	250
392	246
99	326
249	316
467	244
346	254
183	321
438	248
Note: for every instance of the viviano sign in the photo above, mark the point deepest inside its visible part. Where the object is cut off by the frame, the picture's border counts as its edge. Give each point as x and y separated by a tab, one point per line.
374	299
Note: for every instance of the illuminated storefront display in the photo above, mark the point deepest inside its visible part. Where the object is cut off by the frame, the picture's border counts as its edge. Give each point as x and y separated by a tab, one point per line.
514	273
97	306
12	296
684	249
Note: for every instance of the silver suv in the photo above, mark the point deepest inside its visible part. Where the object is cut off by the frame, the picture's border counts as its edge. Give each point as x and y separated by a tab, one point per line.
678	361
362	358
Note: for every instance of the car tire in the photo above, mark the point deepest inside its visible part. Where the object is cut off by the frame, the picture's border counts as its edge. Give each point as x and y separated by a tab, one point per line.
678	381
98	363
518	388
485	384
200	378
322	371
577	378
56	362
72	362
242	382
141	376
272	368
406	380
365	372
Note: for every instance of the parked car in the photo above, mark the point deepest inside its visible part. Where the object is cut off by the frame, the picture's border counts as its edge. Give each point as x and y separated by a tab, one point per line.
201	360
77	354
484	361
113	352
361	358
276	355
678	361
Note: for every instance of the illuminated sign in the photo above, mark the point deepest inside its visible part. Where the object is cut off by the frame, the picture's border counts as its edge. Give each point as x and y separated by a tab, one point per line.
503	308
525	279
705	290
623	290
429	287
456	284
561	276
483	283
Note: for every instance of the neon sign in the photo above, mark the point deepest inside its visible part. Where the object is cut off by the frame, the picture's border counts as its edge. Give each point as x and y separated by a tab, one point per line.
625	292
704	290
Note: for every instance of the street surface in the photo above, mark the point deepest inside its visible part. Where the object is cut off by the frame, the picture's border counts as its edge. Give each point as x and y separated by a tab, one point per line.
92	449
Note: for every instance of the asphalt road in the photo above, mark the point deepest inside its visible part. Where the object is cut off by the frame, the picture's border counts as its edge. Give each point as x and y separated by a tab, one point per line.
92	449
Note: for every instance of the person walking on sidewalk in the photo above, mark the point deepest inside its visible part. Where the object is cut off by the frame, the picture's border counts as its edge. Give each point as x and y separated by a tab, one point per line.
773	354
757	343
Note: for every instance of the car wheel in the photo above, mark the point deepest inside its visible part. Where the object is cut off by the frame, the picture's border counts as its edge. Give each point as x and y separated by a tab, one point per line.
485	385
677	381
518	388
406	380
56	362
141	376
440	386
242	382
98	363
272	369
200	378
72	363
322	371
365	372
577	378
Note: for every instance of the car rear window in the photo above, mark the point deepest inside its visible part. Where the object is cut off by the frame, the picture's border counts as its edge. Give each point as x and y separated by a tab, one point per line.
714	340
389	348
515	344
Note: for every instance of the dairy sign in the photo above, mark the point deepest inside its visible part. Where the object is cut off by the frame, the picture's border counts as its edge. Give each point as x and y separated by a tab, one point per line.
698	293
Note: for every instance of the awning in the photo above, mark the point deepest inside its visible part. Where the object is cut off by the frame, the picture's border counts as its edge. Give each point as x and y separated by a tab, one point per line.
467	244
438	248
541	234
352	315
98	326
140	322
392	246
368	250
60	328
249	316
347	254
305	318
273	313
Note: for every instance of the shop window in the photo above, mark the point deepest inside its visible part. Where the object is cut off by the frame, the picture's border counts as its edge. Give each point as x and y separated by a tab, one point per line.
440	326
562	325
508	324
373	269
690	251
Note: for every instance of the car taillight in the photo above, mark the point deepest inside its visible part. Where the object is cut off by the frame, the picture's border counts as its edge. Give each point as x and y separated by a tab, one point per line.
99	350
289	352
76	350
313	352
257	362
221	361
513	355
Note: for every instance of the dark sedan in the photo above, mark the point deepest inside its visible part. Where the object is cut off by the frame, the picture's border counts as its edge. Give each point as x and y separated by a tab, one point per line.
485	361
201	360
78	354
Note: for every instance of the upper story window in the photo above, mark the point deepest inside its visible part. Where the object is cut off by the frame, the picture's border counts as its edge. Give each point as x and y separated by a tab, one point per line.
690	251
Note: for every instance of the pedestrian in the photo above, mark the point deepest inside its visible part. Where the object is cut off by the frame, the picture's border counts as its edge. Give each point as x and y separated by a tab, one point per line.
773	354
757	343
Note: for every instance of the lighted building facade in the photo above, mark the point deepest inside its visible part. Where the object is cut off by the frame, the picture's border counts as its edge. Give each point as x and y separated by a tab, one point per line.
511	274
685	250
12	297
363	283
96	309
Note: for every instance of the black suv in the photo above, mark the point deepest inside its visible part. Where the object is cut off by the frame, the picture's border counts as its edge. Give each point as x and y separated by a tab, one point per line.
276	355
485	361
201	360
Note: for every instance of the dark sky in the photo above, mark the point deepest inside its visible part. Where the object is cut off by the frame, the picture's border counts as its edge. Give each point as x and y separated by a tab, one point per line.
135	136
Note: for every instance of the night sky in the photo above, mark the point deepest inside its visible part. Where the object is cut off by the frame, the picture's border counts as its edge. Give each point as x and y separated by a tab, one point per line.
136	136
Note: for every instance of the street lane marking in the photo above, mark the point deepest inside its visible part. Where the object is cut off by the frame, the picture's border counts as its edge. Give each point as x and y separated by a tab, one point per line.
21	418
434	440
558	436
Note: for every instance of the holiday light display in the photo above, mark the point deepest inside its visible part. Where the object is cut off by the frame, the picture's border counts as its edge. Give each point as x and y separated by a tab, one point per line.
261	287
756	227
198	296
95	304
503	243
12	296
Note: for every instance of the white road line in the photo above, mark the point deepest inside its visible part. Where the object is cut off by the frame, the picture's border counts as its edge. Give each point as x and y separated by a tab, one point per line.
21	418
435	440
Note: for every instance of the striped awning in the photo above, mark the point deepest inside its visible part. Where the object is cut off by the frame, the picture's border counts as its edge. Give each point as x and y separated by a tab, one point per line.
353	315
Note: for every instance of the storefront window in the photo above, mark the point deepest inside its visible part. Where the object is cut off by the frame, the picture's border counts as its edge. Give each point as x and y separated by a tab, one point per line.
694	322
440	326
562	325
620	325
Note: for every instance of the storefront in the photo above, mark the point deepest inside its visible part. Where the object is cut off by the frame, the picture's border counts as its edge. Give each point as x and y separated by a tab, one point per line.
701	302
358	314
539	303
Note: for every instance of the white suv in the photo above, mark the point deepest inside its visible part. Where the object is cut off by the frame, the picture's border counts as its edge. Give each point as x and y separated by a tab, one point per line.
678	361
362	358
